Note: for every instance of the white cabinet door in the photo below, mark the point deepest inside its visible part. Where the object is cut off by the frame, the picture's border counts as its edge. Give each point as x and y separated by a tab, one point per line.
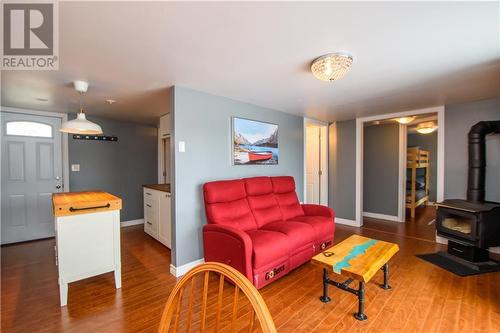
165	125
165	225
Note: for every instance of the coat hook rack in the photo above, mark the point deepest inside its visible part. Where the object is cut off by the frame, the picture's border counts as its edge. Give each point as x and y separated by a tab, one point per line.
95	137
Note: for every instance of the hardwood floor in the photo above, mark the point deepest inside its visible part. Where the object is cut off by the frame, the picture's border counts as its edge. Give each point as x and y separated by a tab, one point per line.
422	227
424	298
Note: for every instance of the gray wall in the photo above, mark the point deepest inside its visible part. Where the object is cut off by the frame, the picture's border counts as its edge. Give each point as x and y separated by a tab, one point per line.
120	168
427	142
458	119
203	121
380	169
342	191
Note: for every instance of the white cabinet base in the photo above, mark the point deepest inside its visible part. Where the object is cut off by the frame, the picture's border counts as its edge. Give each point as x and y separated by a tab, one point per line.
157	216
87	245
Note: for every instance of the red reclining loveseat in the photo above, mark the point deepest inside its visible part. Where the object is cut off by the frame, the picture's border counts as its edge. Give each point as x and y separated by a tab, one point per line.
258	226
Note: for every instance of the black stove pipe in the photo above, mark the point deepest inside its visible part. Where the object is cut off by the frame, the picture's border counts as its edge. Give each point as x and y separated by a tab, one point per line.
477	158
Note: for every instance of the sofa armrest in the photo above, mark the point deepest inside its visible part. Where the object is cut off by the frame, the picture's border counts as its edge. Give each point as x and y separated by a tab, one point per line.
318	210
229	246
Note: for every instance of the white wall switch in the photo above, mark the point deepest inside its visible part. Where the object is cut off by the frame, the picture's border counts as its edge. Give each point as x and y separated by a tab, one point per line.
182	147
75	167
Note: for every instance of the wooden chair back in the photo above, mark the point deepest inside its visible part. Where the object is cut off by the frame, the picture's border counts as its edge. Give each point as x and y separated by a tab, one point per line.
172	315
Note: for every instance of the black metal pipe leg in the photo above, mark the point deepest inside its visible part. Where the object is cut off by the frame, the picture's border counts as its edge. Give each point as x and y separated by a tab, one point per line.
386	285
325	298
360	315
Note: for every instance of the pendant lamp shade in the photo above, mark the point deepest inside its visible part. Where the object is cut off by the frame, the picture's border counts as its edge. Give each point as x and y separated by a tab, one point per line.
81	125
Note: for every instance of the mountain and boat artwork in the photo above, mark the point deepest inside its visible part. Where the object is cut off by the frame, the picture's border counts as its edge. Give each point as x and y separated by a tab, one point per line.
255	142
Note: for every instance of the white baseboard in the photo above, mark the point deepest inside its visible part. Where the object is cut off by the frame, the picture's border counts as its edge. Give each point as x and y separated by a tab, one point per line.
442	240
131	222
351	223
181	270
381	216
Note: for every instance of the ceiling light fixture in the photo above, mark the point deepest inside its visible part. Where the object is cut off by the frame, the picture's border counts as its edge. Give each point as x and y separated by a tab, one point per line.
110	101
331	67
426	128
405	120
81	125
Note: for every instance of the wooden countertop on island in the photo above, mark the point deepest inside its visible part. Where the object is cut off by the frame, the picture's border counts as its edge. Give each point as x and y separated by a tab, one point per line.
74	203
159	187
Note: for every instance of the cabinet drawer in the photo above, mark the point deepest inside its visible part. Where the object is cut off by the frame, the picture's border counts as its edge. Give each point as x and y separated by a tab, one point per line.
151	212
151	225
150	205
149	194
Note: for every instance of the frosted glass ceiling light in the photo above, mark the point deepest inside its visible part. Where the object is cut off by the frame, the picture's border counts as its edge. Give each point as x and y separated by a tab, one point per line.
426	128
81	125
405	120
331	67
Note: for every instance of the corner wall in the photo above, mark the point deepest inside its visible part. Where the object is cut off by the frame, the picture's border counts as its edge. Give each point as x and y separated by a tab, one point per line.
459	118
203	122
342	169
381	169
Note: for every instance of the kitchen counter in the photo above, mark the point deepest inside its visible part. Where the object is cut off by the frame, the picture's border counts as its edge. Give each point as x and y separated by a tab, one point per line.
73	203
159	187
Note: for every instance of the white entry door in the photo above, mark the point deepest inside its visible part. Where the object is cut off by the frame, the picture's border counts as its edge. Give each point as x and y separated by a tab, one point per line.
31	172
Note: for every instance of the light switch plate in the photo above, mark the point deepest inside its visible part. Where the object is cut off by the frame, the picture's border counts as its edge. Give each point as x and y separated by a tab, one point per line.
75	167
182	147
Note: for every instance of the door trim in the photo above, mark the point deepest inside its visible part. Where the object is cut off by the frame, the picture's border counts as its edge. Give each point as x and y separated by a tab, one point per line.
325	159
402	173
64	143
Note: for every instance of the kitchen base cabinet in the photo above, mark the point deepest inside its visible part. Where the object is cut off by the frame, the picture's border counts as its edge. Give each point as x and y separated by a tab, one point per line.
157	215
87	227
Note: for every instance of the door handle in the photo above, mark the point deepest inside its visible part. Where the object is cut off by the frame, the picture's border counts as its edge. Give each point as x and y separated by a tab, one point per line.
58	186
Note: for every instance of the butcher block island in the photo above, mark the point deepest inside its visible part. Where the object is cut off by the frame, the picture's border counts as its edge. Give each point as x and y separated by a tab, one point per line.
87	226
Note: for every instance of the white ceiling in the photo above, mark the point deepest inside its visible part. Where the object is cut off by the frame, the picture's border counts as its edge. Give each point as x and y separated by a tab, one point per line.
406	56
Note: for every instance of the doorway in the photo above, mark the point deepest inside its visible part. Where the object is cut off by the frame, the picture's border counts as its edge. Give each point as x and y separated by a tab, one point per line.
316	162
165	172
32	169
399	174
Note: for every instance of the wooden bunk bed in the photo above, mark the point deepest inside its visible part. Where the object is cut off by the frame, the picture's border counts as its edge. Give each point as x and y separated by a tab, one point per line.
417	181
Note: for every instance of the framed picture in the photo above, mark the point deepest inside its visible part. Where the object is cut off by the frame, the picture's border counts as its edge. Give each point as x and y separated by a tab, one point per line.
254	142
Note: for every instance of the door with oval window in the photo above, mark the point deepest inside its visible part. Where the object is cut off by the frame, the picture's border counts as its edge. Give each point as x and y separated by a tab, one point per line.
31	172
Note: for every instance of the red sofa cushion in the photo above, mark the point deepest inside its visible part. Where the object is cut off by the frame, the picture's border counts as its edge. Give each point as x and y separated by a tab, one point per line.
284	190
300	235
263	203
268	247
323	226
224	190
226	203
258	186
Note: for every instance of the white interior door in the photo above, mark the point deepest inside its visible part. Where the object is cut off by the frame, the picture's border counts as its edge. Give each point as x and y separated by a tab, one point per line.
31	172
313	151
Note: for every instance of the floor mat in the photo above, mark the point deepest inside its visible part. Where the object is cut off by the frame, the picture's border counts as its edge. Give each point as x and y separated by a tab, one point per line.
443	260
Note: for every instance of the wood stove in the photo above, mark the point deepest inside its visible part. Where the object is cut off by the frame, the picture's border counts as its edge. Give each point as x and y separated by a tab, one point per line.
472	225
